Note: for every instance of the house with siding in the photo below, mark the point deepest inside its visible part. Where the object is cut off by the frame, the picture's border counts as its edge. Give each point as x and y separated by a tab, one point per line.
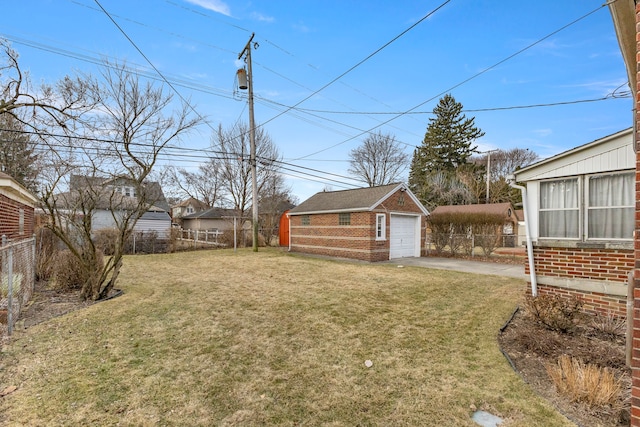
369	224
16	209
581	206
113	196
187	207
214	219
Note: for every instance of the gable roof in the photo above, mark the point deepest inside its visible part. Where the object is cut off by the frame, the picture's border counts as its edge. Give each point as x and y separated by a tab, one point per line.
610	153
213	213
359	199
193	202
505	209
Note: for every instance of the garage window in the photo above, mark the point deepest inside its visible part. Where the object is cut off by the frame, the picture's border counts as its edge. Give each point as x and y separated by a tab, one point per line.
381	227
344	219
306	220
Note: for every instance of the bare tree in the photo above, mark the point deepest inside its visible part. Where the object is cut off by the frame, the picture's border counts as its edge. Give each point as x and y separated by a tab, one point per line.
275	198
203	184
48	106
380	160
134	122
235	170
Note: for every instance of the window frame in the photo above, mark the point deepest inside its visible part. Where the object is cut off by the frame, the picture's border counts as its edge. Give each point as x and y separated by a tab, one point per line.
305	220
588	206
381	227
578	208
344	218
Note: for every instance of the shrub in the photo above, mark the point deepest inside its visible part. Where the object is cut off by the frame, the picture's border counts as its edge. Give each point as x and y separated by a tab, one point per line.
46	250
554	312
16	285
69	273
609	324
585	383
105	240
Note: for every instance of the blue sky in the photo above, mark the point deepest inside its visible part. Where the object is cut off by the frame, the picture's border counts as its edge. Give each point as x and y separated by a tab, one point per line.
482	52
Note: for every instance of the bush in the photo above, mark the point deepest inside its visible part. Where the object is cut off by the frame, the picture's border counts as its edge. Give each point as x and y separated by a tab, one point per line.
46	250
585	383
105	240
69	273
609	324
554	312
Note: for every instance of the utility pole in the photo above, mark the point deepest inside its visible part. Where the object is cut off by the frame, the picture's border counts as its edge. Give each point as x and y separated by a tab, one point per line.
489	171
252	141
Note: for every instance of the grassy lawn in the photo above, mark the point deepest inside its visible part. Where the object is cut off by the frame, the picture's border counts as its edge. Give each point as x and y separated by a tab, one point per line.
270	338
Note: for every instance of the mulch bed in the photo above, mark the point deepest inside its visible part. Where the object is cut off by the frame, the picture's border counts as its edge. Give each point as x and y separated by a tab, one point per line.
530	348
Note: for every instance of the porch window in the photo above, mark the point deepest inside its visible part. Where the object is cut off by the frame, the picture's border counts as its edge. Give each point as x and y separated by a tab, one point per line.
610	211
344	219
381	227
559	209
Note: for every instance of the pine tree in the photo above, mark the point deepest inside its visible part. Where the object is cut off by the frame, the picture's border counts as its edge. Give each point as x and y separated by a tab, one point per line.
17	152
447	145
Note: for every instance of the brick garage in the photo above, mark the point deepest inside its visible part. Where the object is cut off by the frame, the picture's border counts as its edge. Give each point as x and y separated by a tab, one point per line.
369	224
16	209
581	221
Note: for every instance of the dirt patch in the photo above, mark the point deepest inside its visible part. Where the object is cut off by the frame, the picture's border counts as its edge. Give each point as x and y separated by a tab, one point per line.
48	302
530	348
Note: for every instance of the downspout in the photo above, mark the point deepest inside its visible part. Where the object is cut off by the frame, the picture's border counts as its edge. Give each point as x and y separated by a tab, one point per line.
532	268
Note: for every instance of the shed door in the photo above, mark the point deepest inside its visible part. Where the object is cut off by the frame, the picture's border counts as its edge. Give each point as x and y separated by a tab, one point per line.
404	236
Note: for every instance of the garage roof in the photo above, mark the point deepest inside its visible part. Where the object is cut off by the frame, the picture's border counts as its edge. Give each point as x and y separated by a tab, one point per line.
359	199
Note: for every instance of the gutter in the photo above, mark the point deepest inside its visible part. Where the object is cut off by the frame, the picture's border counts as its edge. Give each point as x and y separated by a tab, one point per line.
525	207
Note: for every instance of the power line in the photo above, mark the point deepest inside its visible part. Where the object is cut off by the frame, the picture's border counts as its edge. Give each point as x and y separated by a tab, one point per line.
461	83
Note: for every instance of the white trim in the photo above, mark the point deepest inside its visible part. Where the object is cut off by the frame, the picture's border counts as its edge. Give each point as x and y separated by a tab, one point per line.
383	229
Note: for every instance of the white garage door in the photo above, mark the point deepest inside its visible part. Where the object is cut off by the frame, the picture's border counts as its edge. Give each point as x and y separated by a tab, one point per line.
405	236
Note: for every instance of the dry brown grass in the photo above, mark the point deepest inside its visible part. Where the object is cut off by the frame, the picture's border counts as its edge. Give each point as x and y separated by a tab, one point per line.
590	384
270	338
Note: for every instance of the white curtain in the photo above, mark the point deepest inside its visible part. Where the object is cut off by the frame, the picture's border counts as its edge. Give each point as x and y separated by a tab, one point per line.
559	209
611	206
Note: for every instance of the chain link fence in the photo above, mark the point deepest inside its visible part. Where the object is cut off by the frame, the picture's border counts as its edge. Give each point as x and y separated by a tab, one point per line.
17	279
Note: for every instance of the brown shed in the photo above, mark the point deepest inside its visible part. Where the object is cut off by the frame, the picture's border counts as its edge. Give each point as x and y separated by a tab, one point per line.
370	224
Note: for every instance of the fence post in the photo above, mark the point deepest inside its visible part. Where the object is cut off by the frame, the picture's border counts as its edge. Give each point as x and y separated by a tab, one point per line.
10	292
33	263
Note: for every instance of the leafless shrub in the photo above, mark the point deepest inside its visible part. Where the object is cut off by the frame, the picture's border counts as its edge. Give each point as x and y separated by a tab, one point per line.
69	272
554	312
609	324
590	384
46	250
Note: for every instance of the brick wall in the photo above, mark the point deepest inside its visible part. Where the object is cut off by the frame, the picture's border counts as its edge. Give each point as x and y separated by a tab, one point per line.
583	263
635	360
590	265
324	235
10	219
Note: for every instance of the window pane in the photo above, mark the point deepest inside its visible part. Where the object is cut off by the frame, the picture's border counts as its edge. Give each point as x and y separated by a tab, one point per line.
344	219
559	224
611	206
559	209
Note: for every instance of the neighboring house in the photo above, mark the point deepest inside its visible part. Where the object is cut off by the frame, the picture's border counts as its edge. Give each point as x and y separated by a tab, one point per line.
213	219
187	207
580	206
370	224
155	219
509	229
16	209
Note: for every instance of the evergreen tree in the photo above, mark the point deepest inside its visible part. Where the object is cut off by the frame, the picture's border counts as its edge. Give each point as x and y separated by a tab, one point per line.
17	156
447	145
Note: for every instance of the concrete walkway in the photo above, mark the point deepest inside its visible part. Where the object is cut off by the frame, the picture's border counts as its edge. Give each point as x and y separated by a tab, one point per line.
464	265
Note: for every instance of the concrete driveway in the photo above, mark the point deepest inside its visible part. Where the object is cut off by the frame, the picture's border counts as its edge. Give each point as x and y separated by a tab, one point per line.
464	265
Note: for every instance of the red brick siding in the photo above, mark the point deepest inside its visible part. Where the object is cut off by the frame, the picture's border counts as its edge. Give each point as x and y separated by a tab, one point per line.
635	360
611	265
592	302
324	235
10	219
580	263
